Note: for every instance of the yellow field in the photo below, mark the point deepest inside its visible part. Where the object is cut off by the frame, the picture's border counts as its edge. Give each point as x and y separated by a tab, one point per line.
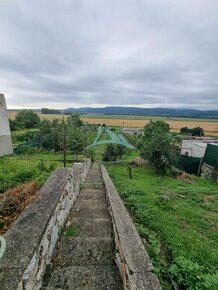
210	126
175	125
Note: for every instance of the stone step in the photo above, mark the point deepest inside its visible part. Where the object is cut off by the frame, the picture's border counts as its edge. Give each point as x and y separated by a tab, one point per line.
89	227
93	191
93	178
77	251
85	278
94	196
94	171
89	213
93	185
91	204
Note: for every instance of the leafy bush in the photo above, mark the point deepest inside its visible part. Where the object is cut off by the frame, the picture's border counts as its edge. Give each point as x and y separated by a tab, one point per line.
91	154
25	119
190	275
25	150
112	152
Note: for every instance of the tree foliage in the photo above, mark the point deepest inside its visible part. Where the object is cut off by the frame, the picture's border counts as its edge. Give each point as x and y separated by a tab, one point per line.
112	152
197	131
50	111
28	118
51	134
157	146
25	119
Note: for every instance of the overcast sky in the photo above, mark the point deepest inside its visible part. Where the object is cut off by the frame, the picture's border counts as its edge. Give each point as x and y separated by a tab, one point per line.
72	53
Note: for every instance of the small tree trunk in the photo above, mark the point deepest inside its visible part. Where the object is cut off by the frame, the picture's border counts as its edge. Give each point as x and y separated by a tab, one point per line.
130	171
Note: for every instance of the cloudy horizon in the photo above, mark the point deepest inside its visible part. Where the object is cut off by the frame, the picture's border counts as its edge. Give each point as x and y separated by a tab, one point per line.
97	53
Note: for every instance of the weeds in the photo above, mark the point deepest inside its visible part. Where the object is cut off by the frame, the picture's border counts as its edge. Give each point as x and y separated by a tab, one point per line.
185	226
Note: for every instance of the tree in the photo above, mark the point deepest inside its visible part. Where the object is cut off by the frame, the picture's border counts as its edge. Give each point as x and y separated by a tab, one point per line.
157	146
121	150
13	125
50	111
50	135
75	120
110	153
197	131
27	119
185	130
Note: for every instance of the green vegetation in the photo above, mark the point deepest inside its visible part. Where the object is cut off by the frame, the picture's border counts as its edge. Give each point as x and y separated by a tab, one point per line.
50	111
40	150
178	220
157	146
23	136
25	119
16	170
70	231
197	131
113	152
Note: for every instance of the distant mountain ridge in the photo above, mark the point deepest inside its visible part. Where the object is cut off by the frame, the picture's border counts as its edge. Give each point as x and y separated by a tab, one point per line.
167	112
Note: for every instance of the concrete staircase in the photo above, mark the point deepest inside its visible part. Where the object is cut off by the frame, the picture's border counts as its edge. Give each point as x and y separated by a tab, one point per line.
84	258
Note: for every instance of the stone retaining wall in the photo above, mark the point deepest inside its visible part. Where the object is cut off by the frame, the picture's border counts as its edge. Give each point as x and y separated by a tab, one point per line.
33	236
207	171
135	266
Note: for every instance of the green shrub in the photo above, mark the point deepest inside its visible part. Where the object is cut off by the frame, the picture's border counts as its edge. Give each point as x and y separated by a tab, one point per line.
191	275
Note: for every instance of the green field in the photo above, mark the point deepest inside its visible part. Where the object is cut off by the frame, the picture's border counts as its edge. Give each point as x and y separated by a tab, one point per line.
182	231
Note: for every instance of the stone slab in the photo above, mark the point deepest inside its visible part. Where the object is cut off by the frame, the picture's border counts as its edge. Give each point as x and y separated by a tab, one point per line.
86	277
77	251
89	213
88	227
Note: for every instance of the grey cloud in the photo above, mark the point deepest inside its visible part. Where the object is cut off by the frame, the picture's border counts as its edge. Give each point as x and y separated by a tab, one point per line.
83	53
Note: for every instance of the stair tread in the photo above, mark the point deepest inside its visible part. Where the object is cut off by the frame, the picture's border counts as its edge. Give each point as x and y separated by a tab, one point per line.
85	277
88	213
91	204
92	227
79	251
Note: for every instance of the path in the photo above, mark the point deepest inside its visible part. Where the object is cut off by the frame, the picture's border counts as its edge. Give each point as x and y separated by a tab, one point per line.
85	261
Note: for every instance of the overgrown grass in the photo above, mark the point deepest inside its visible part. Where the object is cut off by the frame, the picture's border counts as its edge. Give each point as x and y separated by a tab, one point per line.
181	231
15	170
21	136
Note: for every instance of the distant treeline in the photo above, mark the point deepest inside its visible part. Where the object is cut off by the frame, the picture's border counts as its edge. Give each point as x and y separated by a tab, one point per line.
50	111
163	112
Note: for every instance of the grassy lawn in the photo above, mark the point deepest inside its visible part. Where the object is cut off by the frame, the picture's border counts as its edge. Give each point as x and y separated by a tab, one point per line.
15	170
180	230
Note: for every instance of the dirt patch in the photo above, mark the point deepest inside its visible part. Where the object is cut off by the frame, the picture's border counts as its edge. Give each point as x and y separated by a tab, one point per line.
13	201
186	178
210	198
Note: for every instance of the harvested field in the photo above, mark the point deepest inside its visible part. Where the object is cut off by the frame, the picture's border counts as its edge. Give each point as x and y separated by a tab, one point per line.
210	126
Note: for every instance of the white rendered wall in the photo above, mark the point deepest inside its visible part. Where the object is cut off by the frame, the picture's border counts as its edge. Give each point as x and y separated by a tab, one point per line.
194	149
5	133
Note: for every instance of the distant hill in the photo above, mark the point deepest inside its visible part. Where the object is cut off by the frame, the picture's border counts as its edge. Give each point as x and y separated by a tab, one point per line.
165	112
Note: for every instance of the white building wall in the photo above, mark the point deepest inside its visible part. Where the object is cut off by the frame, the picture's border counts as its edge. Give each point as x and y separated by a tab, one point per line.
5	133
193	148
